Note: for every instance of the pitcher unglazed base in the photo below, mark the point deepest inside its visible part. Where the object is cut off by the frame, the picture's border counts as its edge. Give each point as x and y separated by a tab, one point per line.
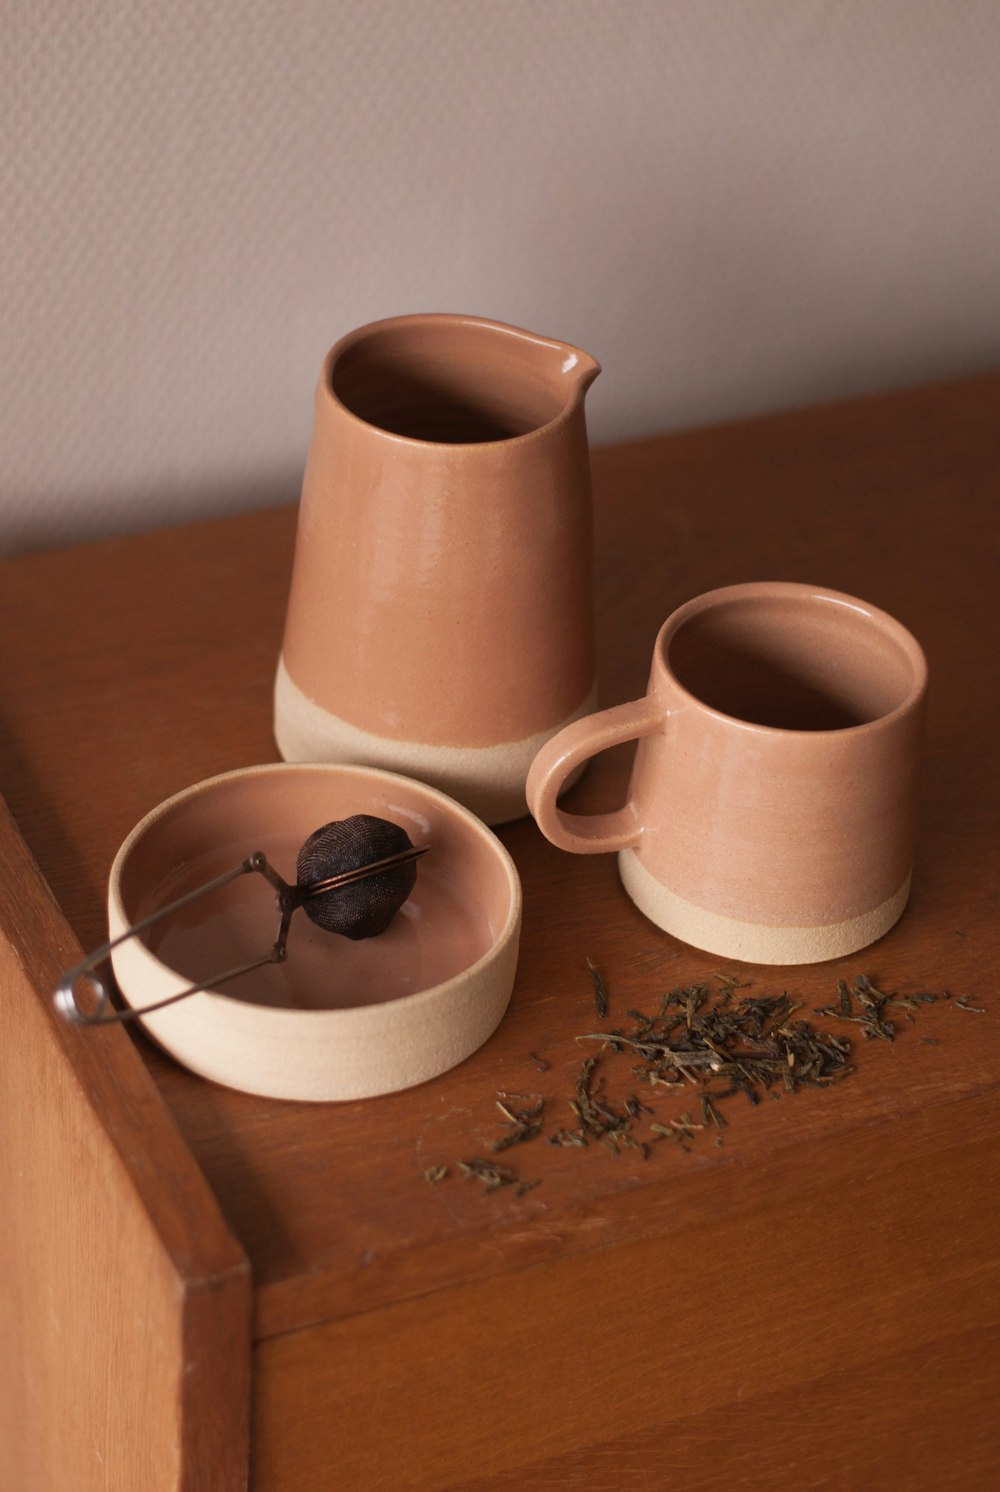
751	942
489	780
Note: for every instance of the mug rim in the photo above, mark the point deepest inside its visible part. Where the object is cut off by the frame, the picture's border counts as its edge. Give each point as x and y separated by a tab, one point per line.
799	591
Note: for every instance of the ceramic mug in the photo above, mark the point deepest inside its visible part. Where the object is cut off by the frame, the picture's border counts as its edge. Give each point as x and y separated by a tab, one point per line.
771	810
440	619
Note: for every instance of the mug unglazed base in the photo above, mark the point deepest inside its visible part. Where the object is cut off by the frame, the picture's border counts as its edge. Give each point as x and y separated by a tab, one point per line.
488	780
751	942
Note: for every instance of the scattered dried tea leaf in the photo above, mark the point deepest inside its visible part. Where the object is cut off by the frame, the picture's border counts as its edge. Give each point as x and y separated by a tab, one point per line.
521	1124
597	1121
715	1040
570	1138
491	1176
600	991
746	1044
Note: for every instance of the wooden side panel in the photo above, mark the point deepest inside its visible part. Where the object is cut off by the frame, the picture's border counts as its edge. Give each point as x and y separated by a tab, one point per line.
829	1335
124	1304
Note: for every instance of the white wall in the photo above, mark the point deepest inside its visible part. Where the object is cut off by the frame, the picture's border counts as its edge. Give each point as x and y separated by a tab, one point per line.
736	205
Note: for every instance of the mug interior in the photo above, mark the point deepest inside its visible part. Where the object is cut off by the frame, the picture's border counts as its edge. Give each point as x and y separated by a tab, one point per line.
456	383
794	662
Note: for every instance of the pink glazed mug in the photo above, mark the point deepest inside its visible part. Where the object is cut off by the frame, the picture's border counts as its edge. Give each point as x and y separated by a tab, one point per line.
771	810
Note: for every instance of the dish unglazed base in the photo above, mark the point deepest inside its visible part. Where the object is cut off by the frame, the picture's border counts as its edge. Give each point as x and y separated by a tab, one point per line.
339	1019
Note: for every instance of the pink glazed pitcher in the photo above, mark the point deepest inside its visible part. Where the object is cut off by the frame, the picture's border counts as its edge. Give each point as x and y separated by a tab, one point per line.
440	621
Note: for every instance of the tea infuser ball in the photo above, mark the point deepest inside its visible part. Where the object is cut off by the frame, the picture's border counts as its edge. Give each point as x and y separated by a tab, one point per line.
364	909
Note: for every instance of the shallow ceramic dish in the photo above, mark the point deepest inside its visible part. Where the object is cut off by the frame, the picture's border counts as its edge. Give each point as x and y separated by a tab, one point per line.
339	1019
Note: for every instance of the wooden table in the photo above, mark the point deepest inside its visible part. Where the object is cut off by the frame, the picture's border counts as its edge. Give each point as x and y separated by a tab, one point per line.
197	1282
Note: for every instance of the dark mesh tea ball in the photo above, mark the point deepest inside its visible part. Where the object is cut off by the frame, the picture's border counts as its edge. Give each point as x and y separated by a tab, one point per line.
366	908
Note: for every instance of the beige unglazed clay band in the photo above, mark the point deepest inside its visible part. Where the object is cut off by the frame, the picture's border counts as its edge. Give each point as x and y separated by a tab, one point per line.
487	779
323	1056
752	942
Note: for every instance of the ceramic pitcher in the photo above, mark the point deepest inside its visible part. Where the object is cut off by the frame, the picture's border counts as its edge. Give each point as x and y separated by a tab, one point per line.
440	621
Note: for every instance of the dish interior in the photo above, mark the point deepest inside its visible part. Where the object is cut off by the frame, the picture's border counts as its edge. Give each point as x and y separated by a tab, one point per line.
458	907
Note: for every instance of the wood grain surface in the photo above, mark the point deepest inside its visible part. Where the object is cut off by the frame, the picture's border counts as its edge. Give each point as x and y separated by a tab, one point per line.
124	1300
814	1303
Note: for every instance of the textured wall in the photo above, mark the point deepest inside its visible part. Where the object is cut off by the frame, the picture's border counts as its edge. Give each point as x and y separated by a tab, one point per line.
735	204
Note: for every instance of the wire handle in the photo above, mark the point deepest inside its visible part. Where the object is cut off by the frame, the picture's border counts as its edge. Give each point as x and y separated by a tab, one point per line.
289	898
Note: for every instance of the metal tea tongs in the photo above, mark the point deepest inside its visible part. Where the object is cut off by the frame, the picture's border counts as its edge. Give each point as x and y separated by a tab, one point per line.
358	917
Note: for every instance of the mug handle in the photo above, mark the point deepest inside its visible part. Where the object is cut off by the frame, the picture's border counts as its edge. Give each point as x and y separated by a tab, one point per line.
591	833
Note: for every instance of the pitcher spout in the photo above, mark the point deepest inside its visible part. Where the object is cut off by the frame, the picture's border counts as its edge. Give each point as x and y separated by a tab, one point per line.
569	368
563	370
579	369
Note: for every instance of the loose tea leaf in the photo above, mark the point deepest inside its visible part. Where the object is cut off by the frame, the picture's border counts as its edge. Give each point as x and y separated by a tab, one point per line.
600	991
747	1044
522	1124
597	1120
715	1040
569	1138
684	1126
491	1176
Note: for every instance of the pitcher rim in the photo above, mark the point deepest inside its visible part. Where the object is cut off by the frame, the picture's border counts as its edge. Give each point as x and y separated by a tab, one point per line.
589	370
